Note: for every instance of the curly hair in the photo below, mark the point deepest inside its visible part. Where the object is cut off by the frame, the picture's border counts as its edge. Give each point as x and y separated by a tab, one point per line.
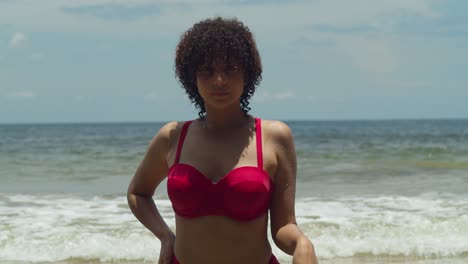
212	39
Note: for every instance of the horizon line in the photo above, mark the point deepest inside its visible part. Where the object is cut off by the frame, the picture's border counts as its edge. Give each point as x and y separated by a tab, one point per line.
284	120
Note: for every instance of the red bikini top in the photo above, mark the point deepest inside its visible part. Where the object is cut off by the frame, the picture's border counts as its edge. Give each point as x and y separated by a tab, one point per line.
242	194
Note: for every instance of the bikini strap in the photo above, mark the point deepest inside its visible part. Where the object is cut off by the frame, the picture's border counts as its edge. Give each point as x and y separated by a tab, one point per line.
183	133
258	139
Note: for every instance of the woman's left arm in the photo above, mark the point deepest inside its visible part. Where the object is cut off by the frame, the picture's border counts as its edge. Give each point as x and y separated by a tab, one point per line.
284	229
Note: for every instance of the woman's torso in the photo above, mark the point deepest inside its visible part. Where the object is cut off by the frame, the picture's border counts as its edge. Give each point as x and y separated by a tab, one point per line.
218	238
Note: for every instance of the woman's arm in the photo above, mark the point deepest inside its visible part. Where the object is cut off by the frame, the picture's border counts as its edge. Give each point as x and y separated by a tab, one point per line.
150	173
286	234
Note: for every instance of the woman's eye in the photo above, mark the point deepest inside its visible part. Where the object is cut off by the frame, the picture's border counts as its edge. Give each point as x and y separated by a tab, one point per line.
205	72
234	69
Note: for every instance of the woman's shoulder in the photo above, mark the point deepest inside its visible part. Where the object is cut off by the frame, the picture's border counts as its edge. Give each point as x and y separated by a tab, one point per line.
169	132
277	130
170	127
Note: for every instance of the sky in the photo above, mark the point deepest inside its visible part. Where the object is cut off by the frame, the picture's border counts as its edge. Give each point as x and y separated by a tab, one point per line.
112	61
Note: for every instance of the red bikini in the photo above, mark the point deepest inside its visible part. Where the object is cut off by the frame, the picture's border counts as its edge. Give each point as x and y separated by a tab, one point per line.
242	194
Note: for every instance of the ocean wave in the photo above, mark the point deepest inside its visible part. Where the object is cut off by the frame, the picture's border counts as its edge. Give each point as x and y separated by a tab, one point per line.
40	228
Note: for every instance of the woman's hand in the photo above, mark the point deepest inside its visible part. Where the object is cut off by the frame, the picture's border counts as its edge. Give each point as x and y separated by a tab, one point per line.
167	249
304	252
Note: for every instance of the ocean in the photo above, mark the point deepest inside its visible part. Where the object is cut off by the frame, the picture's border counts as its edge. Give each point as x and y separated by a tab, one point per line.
390	191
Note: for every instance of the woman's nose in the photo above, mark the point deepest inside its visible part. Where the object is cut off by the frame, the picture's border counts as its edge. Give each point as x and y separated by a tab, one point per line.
219	77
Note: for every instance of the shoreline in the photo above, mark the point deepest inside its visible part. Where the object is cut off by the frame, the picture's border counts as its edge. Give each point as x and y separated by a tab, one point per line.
350	260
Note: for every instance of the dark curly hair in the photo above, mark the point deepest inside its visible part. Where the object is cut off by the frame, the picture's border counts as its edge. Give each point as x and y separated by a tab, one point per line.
212	39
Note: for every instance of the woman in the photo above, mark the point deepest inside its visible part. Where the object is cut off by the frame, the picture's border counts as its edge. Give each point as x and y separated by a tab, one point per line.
225	169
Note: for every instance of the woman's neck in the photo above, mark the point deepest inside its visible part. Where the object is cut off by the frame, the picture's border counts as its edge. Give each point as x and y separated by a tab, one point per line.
225	119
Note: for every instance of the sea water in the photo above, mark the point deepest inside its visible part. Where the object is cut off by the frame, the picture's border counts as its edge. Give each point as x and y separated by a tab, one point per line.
393	191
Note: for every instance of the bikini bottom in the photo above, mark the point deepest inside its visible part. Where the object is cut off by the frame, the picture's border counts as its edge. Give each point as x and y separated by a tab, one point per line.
272	260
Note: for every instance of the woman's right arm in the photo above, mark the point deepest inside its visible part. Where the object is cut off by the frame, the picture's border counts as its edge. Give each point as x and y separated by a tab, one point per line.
150	173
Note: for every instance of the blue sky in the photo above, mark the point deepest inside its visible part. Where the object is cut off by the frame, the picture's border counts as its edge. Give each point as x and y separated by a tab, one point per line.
103	60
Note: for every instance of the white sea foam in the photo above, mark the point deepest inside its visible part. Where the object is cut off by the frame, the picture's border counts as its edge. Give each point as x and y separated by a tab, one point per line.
38	228
428	225
52	228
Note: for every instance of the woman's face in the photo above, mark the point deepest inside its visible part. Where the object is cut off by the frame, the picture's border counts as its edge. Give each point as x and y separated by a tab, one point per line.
219	84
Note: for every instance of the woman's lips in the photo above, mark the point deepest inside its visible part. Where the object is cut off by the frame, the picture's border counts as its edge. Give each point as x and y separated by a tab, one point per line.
219	93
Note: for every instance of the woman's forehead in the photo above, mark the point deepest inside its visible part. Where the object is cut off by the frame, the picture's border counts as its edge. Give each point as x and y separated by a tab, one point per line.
220	61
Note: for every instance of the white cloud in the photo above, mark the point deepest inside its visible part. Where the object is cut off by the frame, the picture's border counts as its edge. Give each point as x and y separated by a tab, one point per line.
22	94
370	55
274	96
407	84
311	98
78	98
366	11
38	56
152	96
292	18
17	40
